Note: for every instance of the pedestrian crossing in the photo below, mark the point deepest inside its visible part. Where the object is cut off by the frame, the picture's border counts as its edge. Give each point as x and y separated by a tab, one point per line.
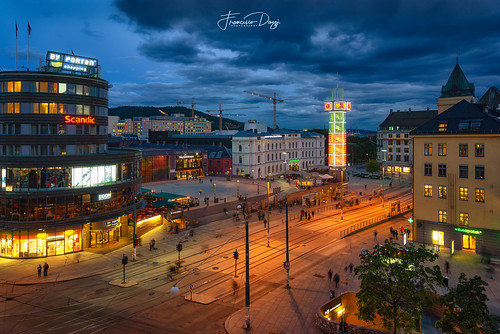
138	271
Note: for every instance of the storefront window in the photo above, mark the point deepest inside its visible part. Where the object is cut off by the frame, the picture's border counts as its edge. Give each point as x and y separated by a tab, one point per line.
438	238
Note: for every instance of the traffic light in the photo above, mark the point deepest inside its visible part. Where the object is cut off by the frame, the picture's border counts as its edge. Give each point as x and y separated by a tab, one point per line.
124	260
136	242
236	254
179	247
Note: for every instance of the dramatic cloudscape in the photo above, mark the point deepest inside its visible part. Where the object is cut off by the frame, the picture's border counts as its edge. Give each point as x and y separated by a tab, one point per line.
386	54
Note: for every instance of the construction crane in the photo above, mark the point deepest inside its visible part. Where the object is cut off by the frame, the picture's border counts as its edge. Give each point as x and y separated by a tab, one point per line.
221	110
274	103
192	103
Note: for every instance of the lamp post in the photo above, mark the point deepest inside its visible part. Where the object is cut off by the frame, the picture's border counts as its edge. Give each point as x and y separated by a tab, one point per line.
287	263
383	175
214	192
238	189
247	276
267	209
341	194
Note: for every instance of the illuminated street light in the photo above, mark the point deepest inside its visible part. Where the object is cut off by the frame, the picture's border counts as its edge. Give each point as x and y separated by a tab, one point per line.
238	189
214	192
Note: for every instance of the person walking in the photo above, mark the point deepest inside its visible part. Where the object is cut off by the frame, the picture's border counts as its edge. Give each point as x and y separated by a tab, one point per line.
375	235
265	223
39	270
447	266
350	268
336	279
154	243
151	245
45	269
330	274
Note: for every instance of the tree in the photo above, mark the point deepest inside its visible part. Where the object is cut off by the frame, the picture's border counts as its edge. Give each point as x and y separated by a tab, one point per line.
466	310
372	166
395	284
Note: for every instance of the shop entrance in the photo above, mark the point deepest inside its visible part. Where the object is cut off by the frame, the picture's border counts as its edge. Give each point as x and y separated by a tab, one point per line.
55	247
469	242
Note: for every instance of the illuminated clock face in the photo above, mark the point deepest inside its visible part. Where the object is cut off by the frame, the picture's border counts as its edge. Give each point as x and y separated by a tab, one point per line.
328	106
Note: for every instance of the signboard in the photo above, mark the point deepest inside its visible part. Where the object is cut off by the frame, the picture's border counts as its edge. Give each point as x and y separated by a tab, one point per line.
328	106
71	63
341	106
186	156
467	230
70	119
102	197
273	136
112	223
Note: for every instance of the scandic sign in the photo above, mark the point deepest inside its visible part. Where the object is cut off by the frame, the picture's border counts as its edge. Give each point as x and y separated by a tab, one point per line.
68	119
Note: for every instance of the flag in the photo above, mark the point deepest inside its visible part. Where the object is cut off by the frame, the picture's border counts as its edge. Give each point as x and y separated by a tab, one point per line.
29	28
16	29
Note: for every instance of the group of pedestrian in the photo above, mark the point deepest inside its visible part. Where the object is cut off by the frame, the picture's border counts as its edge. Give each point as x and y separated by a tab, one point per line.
152	244
308	214
45	269
336	280
394	233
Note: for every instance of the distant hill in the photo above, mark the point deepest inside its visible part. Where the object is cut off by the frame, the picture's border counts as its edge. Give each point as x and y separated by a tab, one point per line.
135	111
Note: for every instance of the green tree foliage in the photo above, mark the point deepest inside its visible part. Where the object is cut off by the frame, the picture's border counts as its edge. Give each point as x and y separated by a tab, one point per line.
466	310
361	149
372	166
395	284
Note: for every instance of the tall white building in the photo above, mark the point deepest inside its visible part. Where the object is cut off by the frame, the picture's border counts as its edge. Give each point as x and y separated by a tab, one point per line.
262	154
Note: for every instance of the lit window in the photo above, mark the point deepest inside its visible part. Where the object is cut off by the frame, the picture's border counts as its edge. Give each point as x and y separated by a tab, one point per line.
479	150
463	219
441	149
442	191
480	195
443	126
463	193
442	216
428	190
428	149
438	238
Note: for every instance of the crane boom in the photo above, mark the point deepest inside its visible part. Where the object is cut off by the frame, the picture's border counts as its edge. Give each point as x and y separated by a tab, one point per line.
192	103
221	110
274	99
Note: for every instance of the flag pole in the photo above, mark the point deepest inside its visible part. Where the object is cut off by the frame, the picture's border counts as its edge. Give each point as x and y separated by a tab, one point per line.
28	53
15	56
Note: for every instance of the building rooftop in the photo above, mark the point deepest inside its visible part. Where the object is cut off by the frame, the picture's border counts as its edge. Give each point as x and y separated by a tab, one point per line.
463	118
457	84
277	133
407	119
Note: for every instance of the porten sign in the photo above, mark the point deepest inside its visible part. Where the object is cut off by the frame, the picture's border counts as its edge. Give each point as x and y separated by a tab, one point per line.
70	119
71	63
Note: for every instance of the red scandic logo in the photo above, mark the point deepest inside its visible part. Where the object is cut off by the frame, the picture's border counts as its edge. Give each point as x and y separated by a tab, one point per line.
68	119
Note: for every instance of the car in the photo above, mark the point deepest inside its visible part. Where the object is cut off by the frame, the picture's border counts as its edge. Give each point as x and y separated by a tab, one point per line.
374	177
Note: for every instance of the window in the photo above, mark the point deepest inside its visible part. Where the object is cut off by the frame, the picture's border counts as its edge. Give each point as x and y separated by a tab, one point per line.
390	135
398	135
407	158
442	149
239	148
407	141
442	216
479	150
480	195
442	191
442	170
480	172
389	157
407	150
463	193
398	142
463	150
390	142
428	149
258	159
428	190
438	238
240	159
428	169
443	126
406	136
463	171
463	219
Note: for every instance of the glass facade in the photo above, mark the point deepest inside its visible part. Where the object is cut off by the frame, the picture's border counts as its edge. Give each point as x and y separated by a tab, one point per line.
40	242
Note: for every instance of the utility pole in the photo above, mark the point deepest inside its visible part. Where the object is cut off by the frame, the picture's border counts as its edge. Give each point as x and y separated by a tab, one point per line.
136	241
236	255
247	278
287	263
268	220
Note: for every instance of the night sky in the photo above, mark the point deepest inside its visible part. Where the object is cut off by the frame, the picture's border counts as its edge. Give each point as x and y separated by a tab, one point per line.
388	54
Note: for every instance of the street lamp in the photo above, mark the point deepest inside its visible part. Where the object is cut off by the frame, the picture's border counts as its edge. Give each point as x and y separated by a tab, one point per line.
214	192
383	175
238	189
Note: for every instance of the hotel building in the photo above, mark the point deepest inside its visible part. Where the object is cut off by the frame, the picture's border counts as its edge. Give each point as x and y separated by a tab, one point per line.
62	190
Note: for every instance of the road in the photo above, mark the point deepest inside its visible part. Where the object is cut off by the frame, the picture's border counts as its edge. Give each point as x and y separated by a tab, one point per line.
92	305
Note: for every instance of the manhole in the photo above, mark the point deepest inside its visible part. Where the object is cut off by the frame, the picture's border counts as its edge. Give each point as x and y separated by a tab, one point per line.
215	268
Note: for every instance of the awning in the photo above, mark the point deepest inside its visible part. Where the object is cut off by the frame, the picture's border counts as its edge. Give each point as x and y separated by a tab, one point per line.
164	202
